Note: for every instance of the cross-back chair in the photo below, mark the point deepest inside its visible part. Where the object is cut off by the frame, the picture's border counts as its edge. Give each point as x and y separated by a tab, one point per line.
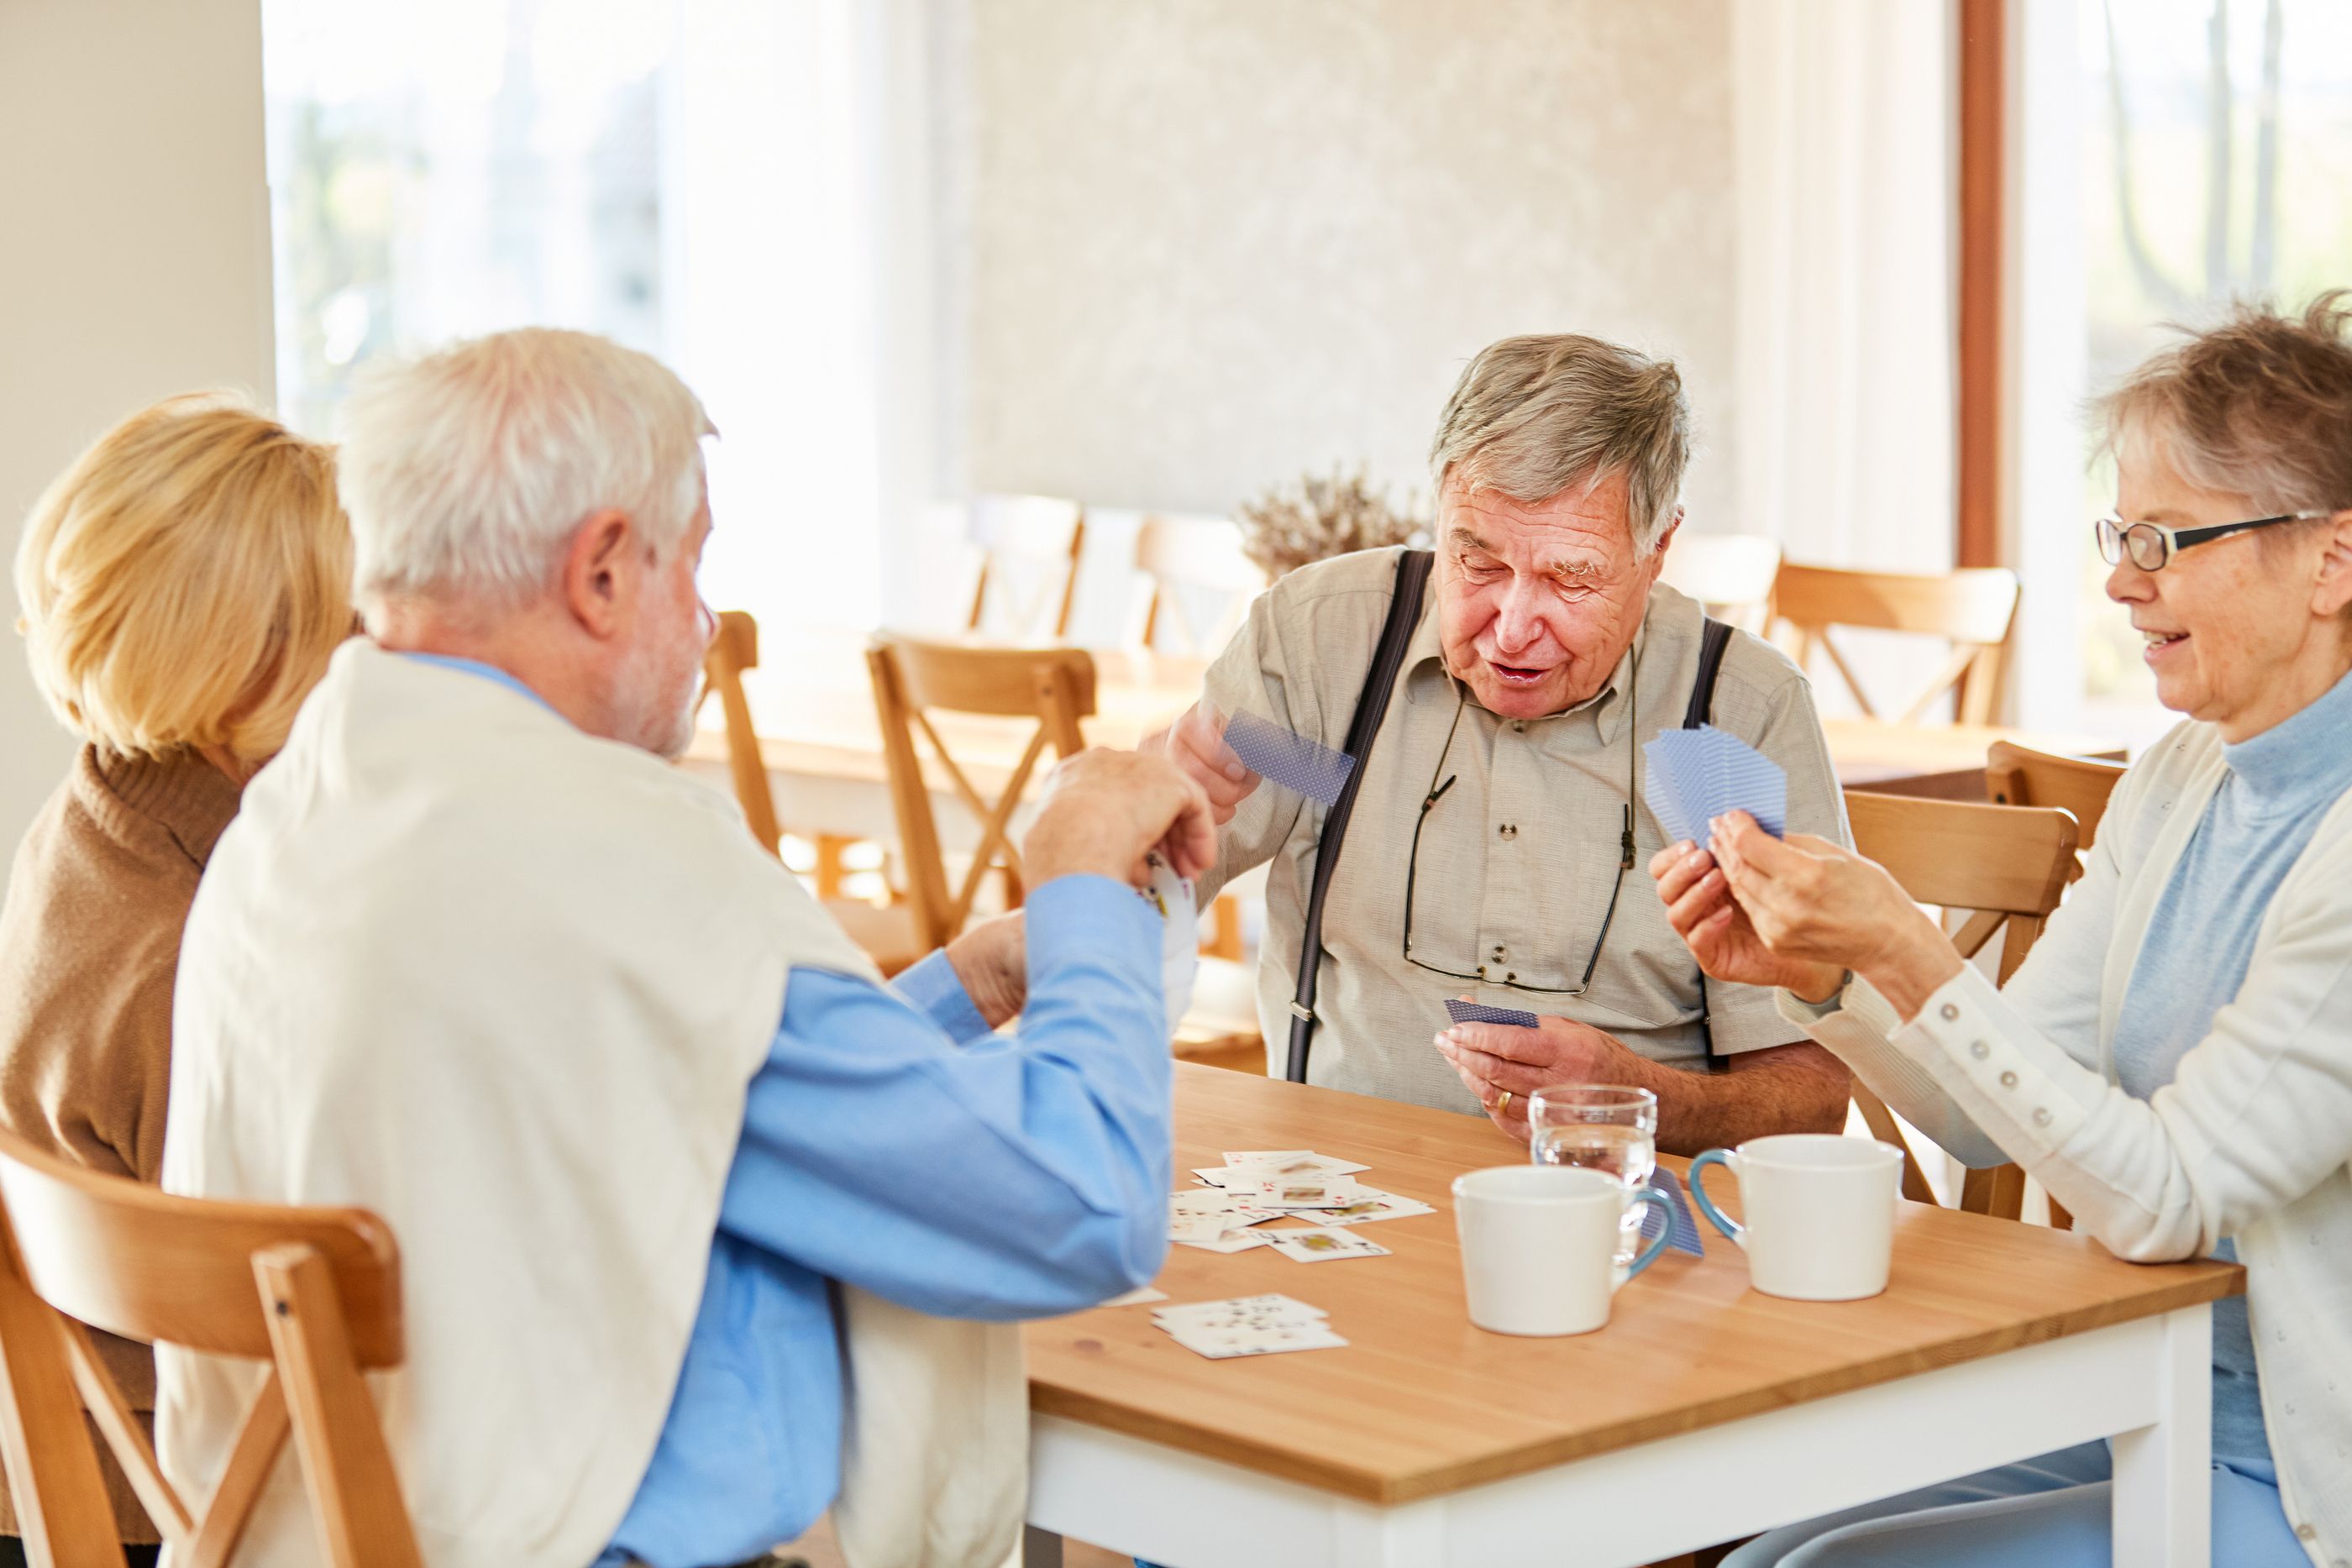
2007	867
885	933
314	1293
1029	549
1971	608
913	680
2019	775
1731	575
1189	560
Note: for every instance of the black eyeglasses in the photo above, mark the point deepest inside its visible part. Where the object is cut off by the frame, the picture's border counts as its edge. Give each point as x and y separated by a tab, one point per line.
1510	980
2150	545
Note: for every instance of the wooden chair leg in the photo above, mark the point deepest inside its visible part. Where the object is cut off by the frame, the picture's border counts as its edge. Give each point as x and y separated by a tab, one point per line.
1225	924
337	1428
829	870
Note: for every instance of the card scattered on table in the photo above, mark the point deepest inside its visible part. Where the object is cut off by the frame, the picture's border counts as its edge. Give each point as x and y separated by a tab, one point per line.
1461	1011
1698	775
1248	1325
1254	1185
1685	1237
1322	1246
1368	1206
1280	756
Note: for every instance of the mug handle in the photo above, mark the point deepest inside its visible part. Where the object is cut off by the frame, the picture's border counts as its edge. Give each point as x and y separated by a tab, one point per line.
1729	1226
1649	1254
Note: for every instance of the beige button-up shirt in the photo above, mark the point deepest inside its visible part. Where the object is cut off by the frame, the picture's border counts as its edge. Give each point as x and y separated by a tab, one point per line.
1517	859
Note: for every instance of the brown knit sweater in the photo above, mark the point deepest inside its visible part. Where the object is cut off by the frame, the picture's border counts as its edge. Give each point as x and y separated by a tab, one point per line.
90	943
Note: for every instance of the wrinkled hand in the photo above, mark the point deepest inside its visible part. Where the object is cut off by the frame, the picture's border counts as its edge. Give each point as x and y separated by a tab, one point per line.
1196	743
1103	810
1812	901
1718	932
1490	1058
991	961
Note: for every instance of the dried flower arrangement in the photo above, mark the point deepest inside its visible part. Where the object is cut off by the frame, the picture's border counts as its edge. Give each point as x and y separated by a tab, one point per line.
1318	517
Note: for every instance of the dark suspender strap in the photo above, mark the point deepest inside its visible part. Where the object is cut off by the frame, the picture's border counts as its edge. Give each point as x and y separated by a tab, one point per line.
1714	638
1371	707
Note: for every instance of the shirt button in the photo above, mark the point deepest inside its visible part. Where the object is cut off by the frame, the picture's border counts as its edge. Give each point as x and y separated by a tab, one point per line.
2008	1080
1498	952
2042	1115
1509	829
1518	727
1978	1049
1950	1012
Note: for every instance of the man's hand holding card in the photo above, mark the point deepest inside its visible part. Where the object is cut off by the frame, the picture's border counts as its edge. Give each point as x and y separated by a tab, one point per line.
1490	1058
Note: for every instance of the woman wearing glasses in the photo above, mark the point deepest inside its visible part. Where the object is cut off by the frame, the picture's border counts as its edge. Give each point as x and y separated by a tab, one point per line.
2174	1061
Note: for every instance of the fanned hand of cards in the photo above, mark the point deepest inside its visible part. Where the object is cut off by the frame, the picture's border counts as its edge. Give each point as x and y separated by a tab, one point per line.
1293	761
1463	1011
1698	775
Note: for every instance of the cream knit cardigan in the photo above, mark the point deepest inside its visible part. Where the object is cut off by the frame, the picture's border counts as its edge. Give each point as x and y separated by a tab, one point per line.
2251	1139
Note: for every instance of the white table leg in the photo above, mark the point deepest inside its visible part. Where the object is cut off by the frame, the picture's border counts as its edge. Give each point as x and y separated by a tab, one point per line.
2164	1490
1040	1548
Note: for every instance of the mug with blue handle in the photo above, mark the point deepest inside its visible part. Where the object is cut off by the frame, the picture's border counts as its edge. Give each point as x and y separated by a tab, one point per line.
1539	1245
1820	1212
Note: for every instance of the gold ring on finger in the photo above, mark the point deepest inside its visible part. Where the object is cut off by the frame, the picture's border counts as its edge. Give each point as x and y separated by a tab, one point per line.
1503	1106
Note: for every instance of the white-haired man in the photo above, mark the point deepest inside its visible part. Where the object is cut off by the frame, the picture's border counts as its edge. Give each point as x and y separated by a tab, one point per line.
660	1151
1500	810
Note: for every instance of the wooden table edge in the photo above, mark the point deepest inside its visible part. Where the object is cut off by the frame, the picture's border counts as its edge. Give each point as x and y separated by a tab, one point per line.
1391	1490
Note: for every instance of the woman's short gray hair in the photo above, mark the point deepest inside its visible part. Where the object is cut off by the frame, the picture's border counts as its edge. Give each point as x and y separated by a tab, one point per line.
1533	415
2259	406
464	473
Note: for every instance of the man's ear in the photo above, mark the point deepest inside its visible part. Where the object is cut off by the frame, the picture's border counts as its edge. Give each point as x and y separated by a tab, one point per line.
1673	526
602	573
2333	591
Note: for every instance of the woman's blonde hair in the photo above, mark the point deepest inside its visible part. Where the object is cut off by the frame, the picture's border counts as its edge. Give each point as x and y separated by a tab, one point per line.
183	583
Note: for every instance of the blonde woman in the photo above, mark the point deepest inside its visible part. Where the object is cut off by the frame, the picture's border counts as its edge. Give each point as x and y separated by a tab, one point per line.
2174	1061
181	586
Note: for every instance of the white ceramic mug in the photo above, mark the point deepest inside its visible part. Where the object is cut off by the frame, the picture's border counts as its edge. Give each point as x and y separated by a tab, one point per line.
1820	1212
1539	1245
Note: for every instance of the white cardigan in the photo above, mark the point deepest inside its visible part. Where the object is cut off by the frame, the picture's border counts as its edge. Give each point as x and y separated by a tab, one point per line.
2252	1138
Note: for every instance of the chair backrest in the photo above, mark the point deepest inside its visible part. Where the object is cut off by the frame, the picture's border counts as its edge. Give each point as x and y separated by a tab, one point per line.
313	1292
1971	608
2006	868
1189	560
2019	775
913	680
1029	565
1731	574
734	650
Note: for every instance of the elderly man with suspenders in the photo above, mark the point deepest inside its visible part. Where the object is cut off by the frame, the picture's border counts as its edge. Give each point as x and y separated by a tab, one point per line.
1495	694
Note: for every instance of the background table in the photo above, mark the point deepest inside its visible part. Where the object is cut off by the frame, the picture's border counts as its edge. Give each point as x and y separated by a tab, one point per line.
1702	1413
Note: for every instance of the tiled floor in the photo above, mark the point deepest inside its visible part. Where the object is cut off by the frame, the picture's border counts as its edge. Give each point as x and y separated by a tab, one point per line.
818	1547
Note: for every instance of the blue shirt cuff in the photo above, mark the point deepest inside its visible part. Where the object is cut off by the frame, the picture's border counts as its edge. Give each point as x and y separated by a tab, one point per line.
1092	920
933	989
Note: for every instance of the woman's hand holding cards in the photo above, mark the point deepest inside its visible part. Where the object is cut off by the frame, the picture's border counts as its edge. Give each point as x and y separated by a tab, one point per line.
1718	932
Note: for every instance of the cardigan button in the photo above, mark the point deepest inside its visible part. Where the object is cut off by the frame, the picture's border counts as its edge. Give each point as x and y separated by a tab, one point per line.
2008	1080
1950	1012
1978	1049
2307	1532
2042	1115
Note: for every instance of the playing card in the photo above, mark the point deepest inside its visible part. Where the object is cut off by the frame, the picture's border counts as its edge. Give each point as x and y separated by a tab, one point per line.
1369	1206
1685	1237
1697	774
1180	936
1279	757
1293	1162
1265	1302
1304	1192
1323	1246
1224	1345
1461	1011
1232	1241
1198	1227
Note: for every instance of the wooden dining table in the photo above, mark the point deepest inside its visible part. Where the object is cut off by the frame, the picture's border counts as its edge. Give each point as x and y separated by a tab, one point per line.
1703	1412
821	742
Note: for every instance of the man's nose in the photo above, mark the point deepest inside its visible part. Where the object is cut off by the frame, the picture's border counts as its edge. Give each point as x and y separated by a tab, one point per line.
1518	621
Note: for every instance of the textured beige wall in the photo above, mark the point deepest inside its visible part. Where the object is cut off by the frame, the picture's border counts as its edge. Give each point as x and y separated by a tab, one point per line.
1215	241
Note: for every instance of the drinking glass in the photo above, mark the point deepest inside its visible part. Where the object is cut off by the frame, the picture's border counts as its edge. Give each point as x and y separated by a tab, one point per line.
1605	1127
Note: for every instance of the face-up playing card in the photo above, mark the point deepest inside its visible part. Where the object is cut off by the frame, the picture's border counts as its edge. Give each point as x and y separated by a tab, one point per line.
1210	1226
1274	1339
1265	1302
1279	757
1304	1192
1180	936
1369	1206
1697	774
1246	1325
1321	1246
1461	1011
1232	1241
1293	1162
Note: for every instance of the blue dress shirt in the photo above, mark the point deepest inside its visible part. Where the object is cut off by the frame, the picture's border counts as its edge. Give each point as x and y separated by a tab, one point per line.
892	1141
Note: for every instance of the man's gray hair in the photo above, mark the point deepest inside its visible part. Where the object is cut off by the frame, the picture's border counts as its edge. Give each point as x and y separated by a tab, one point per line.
1533	415
466	472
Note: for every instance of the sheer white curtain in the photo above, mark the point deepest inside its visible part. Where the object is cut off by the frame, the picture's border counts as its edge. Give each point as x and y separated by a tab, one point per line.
1844	165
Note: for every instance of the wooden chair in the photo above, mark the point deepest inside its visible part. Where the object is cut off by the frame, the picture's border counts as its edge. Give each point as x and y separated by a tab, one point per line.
312	1293
1029	565
1189	560
1972	609
2018	775
912	679
885	933
1731	574
2007	867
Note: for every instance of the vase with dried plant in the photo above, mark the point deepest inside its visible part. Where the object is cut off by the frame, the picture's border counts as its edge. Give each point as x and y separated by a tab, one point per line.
1323	515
